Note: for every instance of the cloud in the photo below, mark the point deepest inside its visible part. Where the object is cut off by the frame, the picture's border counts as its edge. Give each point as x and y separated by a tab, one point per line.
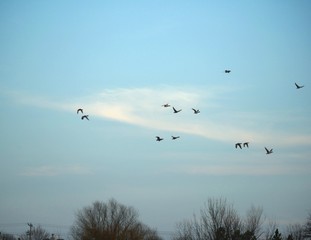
225	170
49	170
142	107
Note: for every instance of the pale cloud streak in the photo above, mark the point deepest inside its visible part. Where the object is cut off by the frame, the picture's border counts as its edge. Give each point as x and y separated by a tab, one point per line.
240	170
51	170
142	107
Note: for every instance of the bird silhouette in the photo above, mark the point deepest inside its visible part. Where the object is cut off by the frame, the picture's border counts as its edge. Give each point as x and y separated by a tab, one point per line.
159	139
245	144
166	105
80	110
297	86
174	138
176	111
238	145
227	71
269	151
85	117
196	111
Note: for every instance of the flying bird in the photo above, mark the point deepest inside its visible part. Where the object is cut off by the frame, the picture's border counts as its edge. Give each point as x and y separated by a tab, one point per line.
238	145
159	139
176	111
245	144
227	71
196	111
269	151
80	110
85	117
174	138
297	86
166	105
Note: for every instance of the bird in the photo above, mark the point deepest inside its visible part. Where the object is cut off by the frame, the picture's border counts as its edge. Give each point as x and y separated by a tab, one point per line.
227	71
196	111
238	145
85	116
166	105
80	110
175	137
159	139
176	111
297	86
245	144
269	151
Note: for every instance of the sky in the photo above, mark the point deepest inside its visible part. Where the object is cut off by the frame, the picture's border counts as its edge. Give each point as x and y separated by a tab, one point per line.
121	61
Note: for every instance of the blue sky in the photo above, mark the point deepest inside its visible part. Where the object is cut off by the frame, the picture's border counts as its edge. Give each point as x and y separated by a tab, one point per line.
121	61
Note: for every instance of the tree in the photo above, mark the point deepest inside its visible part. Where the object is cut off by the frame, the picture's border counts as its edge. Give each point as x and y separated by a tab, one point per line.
37	233
277	235
270	229
253	221
112	221
307	227
218	220
6	236
295	231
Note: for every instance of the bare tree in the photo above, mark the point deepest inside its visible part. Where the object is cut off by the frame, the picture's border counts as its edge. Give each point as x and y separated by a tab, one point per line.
253	222
296	231
307	227
112	221
6	236
220	217
37	233
218	220
190	230
270	229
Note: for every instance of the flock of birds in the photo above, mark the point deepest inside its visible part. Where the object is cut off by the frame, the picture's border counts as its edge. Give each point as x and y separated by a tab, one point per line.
166	105
195	111
83	116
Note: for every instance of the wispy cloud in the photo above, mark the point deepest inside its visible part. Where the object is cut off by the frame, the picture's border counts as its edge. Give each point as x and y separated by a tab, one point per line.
246	170
50	170
142	107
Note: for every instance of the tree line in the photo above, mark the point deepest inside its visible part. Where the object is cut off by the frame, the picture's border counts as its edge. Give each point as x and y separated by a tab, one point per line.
218	220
